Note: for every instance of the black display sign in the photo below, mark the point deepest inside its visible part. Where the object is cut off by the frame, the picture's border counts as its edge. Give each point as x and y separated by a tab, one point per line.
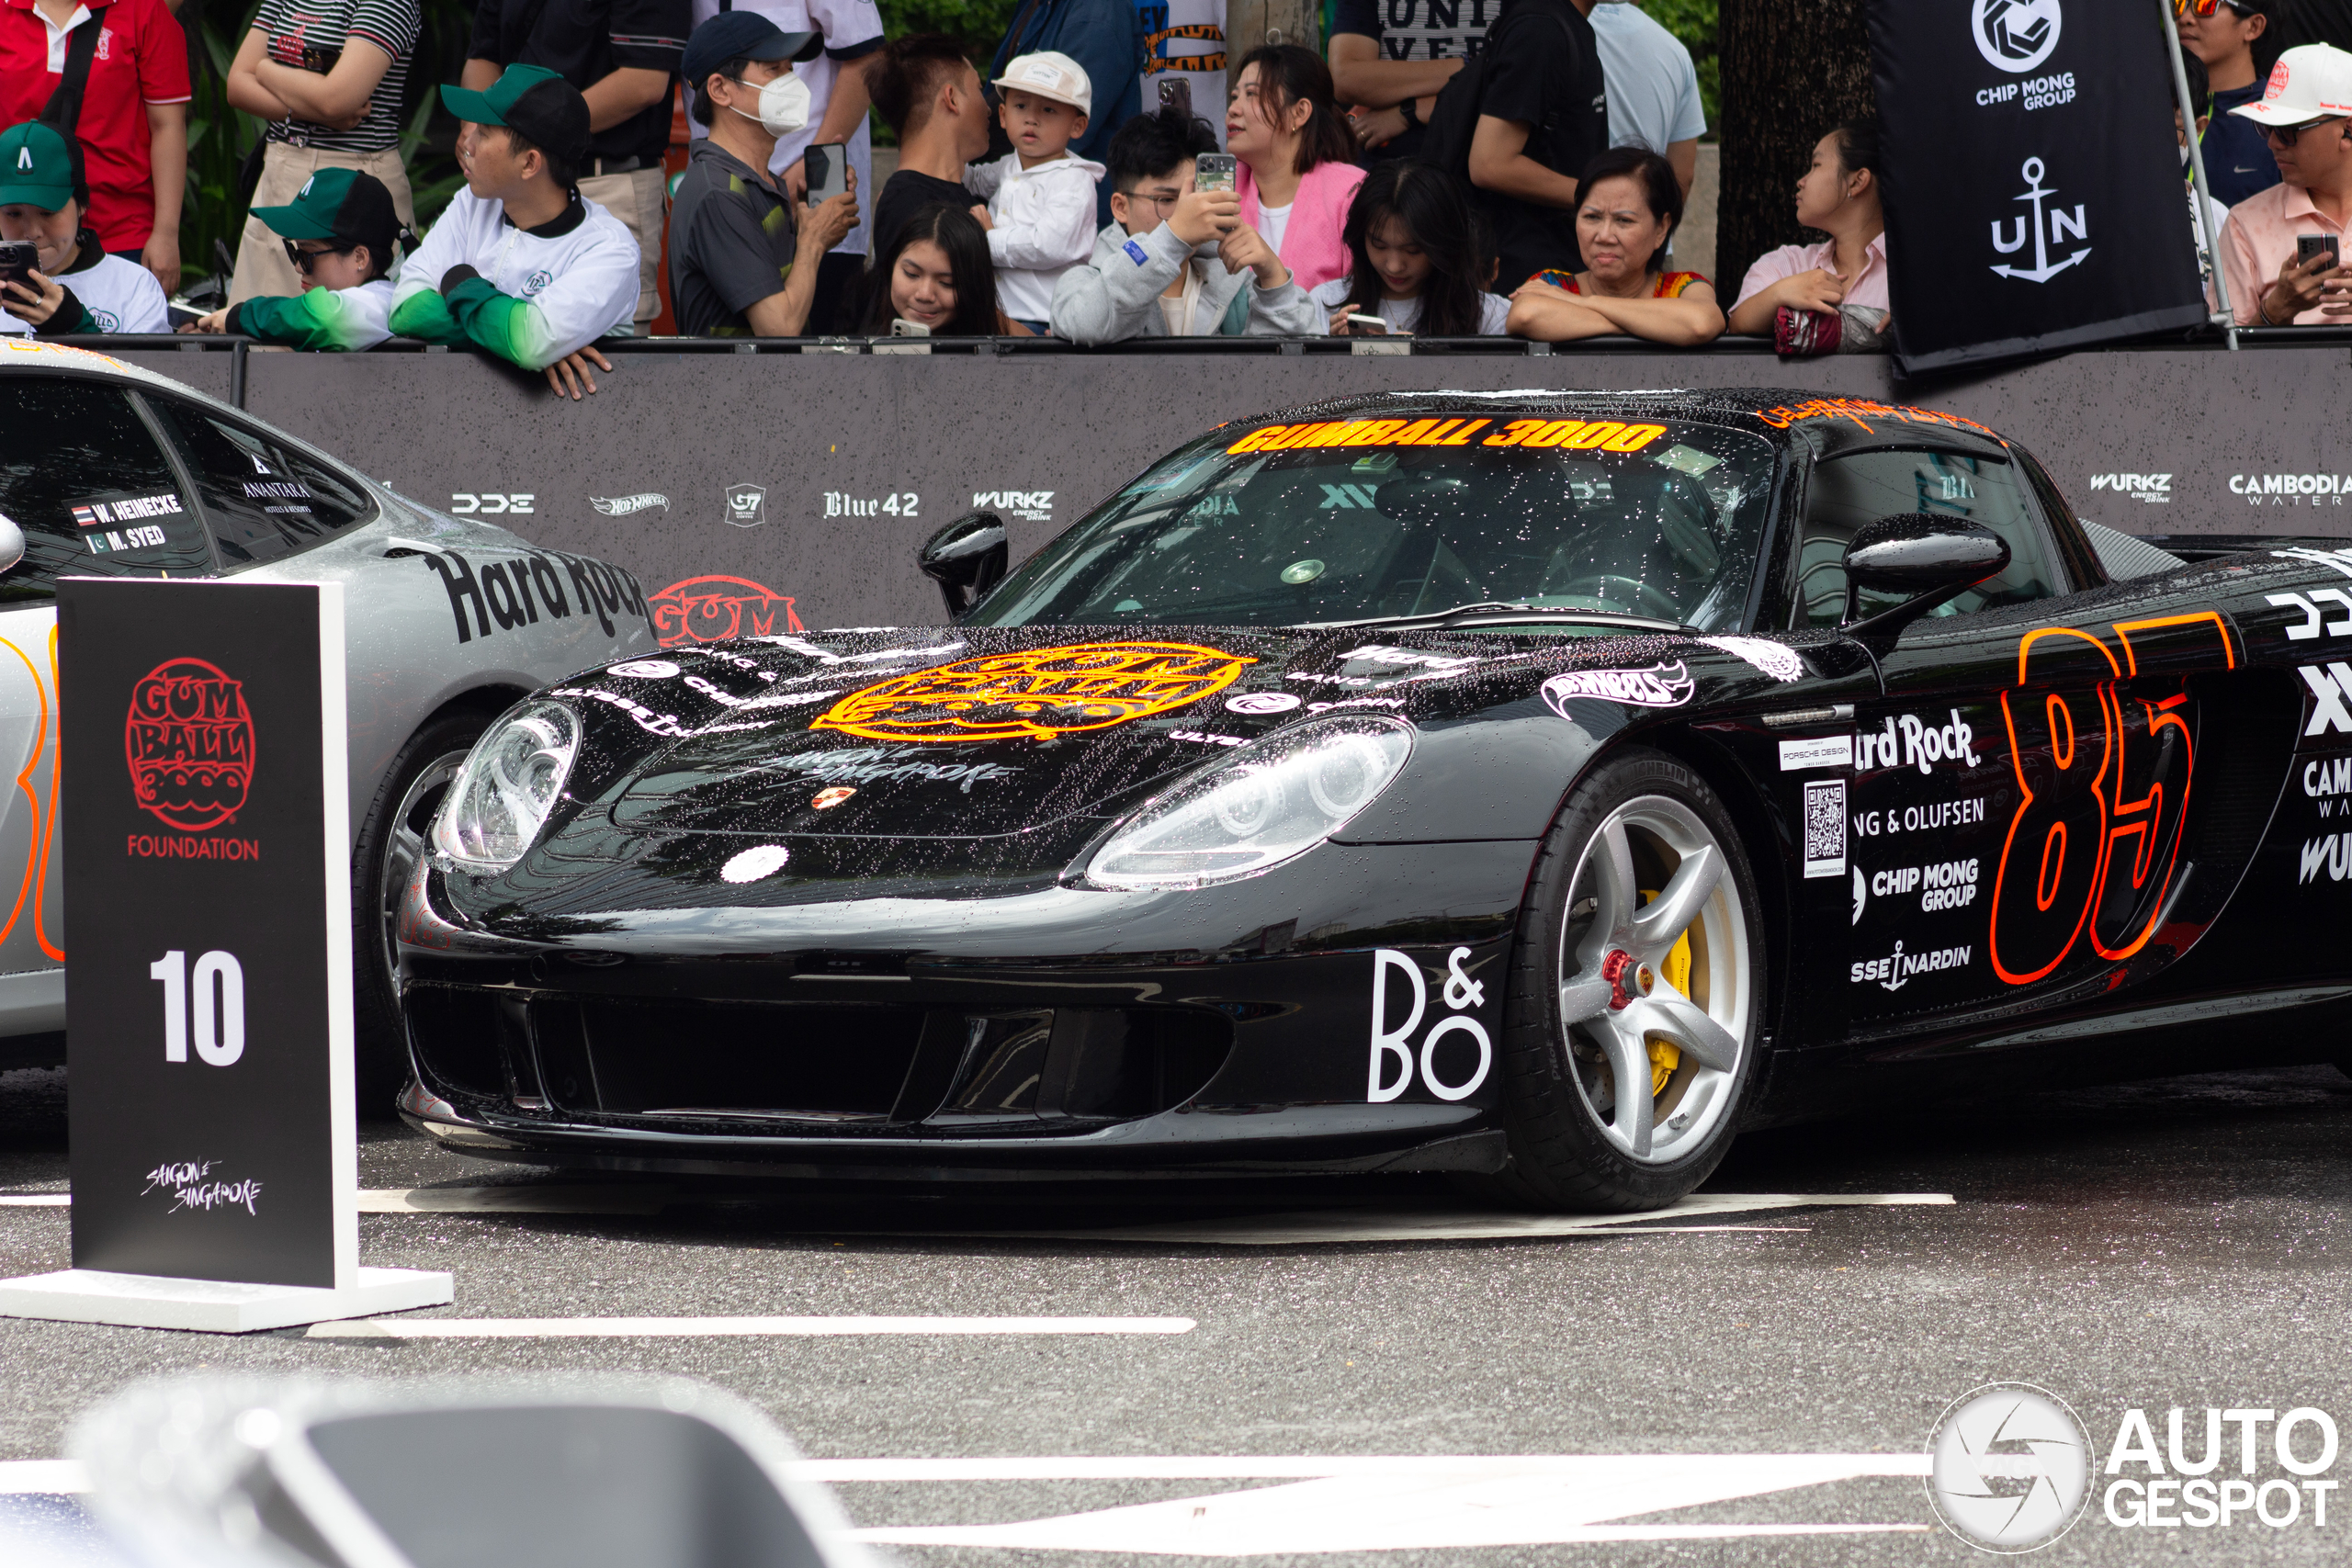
207	929
2032	178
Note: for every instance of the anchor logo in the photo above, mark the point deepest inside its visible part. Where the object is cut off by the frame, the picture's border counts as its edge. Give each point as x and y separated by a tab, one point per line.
2059	223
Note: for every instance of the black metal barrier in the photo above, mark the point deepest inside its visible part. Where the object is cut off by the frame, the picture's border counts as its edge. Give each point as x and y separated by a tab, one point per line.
775	481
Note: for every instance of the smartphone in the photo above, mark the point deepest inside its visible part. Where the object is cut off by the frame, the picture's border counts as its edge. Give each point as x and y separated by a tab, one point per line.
1213	171
1176	93
827	165
902	327
1362	325
18	258
323	60
2310	245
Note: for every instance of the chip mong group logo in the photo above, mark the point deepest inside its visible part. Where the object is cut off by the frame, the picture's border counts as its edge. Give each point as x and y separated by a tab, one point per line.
189	742
1037	693
2014	35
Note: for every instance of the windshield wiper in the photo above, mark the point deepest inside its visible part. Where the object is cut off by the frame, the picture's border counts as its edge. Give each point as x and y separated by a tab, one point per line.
1494	613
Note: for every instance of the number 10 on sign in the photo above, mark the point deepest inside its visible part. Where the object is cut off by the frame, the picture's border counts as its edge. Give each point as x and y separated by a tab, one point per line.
219	984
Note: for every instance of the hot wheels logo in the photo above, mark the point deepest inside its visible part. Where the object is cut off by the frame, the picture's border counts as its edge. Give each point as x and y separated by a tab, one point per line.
189	742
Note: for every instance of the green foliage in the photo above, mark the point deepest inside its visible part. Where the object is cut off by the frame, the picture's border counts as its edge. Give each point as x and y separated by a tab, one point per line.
979	25
1693	22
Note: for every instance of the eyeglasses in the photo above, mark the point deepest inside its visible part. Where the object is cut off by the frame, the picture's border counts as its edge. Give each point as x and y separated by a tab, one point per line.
1135	197
304	259
2184	9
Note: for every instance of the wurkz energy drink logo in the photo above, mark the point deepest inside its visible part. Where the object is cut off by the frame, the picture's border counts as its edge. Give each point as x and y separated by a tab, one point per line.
1037	693
189	742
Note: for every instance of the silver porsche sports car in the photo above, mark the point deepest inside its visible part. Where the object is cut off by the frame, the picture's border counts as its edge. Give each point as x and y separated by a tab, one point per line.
111	470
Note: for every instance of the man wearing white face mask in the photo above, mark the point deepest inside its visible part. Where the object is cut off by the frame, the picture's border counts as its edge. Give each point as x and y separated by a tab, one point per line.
740	265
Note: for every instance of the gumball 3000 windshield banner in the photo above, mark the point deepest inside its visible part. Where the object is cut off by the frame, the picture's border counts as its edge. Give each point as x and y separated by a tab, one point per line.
2032	177
207	931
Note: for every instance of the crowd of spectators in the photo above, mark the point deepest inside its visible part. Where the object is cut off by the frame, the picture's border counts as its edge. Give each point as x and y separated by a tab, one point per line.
1521	172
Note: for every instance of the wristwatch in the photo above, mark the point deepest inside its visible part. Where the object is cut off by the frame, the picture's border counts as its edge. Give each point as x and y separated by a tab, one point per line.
1411	109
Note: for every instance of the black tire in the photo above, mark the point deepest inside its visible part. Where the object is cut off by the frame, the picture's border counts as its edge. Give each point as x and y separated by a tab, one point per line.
396	823
1564	1152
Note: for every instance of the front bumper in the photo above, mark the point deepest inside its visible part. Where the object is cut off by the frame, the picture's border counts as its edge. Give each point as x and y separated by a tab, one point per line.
1343	1017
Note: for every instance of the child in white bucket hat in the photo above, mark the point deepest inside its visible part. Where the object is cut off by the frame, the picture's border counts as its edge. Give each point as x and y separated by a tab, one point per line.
1040	212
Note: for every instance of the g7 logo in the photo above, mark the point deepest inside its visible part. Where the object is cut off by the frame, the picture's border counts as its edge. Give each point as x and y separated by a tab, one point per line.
463	505
2103	775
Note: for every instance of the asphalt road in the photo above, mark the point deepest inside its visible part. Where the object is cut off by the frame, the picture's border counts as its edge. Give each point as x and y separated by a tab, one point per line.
2171	1244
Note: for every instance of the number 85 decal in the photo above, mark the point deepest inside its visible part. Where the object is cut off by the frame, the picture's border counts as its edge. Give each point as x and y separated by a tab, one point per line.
2103	773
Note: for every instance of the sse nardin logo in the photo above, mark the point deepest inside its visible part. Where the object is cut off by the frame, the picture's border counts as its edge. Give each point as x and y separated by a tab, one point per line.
1037	693
189	740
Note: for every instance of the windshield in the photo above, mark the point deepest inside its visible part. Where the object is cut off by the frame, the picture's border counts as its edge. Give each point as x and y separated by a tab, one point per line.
1413	515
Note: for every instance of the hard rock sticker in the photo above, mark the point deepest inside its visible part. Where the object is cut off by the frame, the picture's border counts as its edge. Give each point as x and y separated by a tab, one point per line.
1035	694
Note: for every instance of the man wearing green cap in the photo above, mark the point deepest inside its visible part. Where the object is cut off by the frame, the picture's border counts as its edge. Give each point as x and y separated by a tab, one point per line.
339	232
75	286
520	262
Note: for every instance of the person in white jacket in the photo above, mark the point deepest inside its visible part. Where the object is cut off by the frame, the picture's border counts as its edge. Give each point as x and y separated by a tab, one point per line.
1175	261
1040	211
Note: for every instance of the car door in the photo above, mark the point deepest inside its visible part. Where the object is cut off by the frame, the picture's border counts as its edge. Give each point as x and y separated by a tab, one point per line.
2020	786
84	478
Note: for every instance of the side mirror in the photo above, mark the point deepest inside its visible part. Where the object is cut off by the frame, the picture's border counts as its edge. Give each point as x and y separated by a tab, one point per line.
1924	558
967	559
12	543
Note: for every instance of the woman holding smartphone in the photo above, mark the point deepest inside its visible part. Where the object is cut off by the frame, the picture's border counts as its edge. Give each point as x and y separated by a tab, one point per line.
1295	181
938	278
1421	261
328	75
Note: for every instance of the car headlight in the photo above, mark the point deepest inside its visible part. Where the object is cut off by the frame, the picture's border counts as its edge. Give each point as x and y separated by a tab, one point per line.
1268	801
511	781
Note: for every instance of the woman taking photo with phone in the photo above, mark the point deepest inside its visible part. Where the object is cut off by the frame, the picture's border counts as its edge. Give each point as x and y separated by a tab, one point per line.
1295	179
1629	206
937	276
1418	257
328	77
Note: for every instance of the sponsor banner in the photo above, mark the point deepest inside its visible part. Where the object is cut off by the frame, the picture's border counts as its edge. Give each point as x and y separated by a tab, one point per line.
208	912
2032	177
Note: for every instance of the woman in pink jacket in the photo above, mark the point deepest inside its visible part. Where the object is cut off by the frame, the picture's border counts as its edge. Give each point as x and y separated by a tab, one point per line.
1296	182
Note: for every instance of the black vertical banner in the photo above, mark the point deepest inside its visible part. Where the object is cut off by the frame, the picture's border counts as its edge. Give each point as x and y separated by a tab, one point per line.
2030	175
207	931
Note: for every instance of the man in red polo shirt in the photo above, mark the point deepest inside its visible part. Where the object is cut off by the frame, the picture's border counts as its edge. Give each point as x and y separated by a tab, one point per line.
133	125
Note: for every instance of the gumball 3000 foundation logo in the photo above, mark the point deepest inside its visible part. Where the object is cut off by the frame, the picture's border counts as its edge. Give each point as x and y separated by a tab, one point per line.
1035	694
189	741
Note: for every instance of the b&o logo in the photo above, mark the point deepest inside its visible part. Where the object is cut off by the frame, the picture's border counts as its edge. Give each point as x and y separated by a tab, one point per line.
2014	35
189	742
2010	1468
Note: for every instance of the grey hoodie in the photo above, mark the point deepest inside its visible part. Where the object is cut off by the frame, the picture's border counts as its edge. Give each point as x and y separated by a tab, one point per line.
1116	295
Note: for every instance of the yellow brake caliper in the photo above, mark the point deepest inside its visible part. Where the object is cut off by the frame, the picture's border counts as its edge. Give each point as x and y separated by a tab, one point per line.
1675	972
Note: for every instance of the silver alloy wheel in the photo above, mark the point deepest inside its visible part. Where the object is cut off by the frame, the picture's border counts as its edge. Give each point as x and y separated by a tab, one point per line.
404	845
1614	997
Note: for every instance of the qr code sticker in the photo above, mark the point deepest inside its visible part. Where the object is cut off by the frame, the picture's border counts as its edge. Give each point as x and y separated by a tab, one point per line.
1825	828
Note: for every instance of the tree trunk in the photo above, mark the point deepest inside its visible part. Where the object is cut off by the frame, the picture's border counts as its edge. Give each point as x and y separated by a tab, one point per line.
1790	71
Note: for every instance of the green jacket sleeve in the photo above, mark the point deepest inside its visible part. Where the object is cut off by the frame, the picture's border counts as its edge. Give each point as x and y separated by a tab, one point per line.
513	328
318	319
426	315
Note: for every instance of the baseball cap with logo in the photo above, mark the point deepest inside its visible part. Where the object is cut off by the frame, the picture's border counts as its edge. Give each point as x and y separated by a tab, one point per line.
336	204
1050	74
743	35
2310	81
40	166
531	100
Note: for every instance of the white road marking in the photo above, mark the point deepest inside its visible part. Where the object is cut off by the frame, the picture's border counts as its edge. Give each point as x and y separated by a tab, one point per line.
502	1199
1393	1504
699	1327
41	1476
1333	1225
1310	1467
35	1200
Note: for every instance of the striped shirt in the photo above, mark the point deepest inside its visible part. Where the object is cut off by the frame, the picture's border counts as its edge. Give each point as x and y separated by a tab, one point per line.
288	26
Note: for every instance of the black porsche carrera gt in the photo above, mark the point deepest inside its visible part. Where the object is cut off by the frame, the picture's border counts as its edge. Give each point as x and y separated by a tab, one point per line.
1539	787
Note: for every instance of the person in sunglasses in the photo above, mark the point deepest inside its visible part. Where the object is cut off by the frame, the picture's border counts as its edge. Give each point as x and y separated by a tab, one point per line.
2223	34
73	285
342	236
2306	114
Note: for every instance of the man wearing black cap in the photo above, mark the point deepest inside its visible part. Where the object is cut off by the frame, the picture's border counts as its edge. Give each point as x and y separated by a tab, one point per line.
520	262
623	55
736	267
339	232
